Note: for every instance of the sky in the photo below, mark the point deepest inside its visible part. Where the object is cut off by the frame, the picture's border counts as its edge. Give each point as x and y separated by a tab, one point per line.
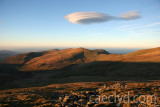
79	23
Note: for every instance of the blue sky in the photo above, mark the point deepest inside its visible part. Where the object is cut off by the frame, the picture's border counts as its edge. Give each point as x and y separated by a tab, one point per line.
41	23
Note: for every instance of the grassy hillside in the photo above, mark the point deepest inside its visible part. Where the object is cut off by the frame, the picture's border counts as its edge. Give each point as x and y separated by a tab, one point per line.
57	59
147	55
78	65
54	59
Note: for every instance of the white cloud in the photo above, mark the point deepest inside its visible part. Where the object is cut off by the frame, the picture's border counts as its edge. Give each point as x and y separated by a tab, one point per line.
95	17
130	15
87	17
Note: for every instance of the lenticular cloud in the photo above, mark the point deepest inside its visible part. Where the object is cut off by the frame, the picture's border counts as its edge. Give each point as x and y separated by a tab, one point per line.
87	17
95	17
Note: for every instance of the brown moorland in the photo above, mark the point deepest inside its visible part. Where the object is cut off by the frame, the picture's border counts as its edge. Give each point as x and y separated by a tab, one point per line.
78	65
69	77
79	95
57	59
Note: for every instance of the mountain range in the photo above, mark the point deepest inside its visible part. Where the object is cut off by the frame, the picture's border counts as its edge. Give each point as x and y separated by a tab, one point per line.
78	65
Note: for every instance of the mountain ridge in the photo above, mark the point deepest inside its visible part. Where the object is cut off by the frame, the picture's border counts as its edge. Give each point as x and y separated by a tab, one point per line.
78	65
57	59
54	58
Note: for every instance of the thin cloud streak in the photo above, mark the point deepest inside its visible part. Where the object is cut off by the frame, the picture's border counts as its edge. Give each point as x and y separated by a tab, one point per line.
133	27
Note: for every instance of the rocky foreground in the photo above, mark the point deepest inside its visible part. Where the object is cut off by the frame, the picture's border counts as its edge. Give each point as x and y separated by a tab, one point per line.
89	94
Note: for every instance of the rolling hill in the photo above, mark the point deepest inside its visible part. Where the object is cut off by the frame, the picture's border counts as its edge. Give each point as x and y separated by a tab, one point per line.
57	59
78	65
147	55
54	59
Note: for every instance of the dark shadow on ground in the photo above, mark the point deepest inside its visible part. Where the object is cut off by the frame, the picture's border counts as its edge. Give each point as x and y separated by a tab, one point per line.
99	71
